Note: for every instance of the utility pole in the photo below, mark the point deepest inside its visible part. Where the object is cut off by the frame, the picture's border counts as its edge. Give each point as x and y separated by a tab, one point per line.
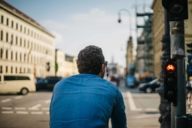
165	106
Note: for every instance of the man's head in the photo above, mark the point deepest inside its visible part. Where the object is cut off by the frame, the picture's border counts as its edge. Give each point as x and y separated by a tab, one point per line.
91	61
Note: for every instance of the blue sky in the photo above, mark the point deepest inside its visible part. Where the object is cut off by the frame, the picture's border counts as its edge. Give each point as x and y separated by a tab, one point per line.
78	23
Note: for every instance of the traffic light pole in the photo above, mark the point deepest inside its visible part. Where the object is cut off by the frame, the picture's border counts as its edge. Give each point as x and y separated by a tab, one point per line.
165	106
178	52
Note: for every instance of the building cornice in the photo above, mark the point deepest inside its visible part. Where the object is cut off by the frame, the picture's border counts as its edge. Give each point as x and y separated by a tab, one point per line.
19	14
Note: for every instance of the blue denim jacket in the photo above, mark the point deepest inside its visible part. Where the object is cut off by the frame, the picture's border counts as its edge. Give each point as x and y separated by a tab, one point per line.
86	101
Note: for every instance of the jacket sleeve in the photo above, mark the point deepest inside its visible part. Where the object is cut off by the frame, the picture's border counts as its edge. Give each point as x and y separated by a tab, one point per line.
118	117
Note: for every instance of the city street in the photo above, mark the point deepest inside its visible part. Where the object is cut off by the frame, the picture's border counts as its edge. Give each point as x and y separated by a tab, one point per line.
32	110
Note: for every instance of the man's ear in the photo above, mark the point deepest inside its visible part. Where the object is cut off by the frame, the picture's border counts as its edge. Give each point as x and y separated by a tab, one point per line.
103	68
102	71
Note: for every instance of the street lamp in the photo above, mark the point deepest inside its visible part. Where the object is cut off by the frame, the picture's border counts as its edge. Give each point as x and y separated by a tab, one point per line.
129	15
129	51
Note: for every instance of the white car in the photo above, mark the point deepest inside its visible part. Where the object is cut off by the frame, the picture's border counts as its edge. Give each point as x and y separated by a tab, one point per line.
18	83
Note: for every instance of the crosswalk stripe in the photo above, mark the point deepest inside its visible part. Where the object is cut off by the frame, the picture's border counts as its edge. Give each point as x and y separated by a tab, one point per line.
6	100
7	112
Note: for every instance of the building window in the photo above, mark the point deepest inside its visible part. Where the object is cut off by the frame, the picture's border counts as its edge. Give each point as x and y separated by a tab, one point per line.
1	69
25	58
16	56
7	54
11	55
1	53
7	22
11	39
16	26
6	69
7	37
20	57
20	41
2	19
21	28
1	35
16	40
12	24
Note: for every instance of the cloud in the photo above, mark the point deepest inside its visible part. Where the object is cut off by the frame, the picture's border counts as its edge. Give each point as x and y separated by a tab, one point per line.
96	27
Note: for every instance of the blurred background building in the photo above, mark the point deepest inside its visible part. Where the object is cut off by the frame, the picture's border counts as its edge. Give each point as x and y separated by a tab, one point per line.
129	55
145	56
27	47
65	65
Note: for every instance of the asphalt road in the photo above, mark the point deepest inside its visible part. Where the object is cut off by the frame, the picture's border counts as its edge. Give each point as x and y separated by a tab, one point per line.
32	110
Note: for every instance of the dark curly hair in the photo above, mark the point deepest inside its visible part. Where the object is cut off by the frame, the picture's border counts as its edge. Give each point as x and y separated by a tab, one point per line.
90	60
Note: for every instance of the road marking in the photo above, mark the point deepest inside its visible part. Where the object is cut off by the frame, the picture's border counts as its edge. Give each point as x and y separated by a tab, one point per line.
35	107
48	101
147	116
22	112
18	97
20	108
6	100
132	103
45	108
151	110
6	108
7	112
37	113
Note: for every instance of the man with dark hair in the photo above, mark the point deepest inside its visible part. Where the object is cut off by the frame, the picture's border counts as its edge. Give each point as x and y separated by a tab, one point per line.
86	100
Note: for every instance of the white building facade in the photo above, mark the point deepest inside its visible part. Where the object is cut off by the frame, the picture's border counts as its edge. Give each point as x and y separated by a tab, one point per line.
65	64
25	46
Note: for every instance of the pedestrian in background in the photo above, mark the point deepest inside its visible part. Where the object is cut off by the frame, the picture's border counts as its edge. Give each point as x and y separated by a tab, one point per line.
87	100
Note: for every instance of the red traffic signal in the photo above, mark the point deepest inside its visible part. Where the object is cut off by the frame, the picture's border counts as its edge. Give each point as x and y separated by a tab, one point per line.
170	67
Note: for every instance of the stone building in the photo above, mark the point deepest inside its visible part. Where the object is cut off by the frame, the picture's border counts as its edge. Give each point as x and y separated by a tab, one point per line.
129	54
25	45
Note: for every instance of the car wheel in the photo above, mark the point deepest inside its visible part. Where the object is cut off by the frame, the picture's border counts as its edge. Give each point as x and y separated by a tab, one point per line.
24	91
148	90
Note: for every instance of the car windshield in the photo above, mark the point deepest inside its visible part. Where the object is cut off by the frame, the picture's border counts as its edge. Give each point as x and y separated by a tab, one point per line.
153	81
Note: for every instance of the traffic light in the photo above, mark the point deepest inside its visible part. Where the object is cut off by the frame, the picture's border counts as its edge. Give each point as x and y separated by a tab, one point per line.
170	81
176	9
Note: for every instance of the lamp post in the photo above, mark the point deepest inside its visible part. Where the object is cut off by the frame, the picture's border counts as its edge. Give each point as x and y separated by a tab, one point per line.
129	15
129	50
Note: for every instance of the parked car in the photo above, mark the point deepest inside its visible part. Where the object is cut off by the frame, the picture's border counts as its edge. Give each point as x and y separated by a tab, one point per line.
41	83
52	80
18	83
130	81
149	87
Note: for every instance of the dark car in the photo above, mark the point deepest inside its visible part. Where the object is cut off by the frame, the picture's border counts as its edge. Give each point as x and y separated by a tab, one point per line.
41	83
52	80
149	86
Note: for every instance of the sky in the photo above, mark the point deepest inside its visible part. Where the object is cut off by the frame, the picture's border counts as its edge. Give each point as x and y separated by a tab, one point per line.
79	23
